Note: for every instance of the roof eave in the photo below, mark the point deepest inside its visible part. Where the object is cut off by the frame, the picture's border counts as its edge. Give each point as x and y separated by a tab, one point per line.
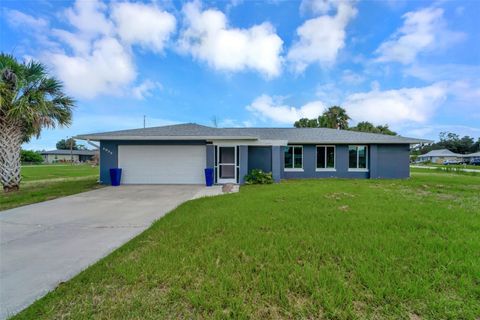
177	138
410	142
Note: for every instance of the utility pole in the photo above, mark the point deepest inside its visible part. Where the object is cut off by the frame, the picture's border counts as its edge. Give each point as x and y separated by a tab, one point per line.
144	118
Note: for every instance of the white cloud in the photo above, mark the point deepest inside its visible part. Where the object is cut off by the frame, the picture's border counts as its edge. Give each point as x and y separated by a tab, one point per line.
89	17
273	109
208	37
439	72
19	19
145	89
106	69
99	59
321	38
396	106
318	6
432	131
353	78
143	24
423	30
393	107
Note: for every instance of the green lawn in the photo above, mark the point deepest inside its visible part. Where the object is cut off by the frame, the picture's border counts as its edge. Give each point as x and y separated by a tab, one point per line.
342	249
43	172
46	182
460	166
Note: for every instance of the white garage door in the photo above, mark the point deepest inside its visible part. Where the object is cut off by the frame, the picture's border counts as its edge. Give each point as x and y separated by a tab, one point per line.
162	164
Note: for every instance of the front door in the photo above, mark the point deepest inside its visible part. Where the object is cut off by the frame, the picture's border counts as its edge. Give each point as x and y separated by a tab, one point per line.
227	168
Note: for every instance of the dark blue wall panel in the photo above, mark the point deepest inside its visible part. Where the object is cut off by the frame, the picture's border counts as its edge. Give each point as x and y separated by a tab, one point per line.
108	159
393	161
260	158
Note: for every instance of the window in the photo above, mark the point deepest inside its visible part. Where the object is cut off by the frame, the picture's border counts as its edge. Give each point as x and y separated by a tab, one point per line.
358	158
293	158
325	157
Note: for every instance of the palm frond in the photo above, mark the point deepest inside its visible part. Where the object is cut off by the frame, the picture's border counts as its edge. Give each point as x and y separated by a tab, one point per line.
36	100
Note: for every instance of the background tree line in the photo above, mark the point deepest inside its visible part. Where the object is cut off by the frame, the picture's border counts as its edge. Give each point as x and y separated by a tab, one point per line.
336	117
452	142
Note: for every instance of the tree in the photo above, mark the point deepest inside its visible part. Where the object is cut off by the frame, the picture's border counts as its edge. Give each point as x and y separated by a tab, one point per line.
386	130
334	117
306	123
30	156
67	144
454	143
30	100
475	147
366	126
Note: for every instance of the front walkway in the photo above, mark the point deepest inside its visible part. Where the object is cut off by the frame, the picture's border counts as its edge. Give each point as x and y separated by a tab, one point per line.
46	243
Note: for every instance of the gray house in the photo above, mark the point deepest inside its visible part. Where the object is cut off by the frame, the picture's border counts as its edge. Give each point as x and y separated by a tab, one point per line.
439	156
54	156
178	154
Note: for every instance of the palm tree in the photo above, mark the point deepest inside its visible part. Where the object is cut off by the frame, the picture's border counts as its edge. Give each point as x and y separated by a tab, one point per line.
334	117
30	100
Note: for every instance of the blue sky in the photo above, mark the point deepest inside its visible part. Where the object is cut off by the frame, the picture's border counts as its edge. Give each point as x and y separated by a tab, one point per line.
413	65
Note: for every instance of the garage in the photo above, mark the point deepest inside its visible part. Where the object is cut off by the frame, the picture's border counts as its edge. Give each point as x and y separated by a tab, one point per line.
162	164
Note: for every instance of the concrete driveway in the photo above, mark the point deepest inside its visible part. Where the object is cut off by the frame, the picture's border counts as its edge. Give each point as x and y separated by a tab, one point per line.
46	243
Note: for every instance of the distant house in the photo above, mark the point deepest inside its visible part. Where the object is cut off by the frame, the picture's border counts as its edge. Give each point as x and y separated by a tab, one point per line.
471	157
439	156
53	156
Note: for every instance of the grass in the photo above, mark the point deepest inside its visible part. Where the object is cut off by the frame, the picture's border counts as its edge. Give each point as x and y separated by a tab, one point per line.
341	249
47	182
446	171
44	172
459	166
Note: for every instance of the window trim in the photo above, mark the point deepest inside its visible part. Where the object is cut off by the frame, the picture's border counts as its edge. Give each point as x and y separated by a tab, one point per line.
293	159
334	158
357	169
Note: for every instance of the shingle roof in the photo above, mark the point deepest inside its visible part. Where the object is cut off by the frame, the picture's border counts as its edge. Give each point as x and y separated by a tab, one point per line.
292	135
67	152
475	154
441	153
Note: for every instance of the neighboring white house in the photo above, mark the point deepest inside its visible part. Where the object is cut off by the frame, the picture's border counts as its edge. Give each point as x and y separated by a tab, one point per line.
439	156
53	156
471	157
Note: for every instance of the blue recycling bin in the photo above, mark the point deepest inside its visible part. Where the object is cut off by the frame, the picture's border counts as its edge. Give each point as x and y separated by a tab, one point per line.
209	177
115	176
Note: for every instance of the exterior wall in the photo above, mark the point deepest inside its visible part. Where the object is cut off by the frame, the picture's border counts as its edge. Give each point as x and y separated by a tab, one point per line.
309	165
438	160
384	161
390	161
52	158
277	167
243	159
109	153
84	158
260	158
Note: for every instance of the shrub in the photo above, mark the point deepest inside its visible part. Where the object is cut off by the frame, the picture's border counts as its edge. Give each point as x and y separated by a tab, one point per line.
27	156
257	176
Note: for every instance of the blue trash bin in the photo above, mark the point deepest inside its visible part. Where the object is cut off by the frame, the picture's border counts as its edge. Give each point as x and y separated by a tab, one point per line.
209	177
115	176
